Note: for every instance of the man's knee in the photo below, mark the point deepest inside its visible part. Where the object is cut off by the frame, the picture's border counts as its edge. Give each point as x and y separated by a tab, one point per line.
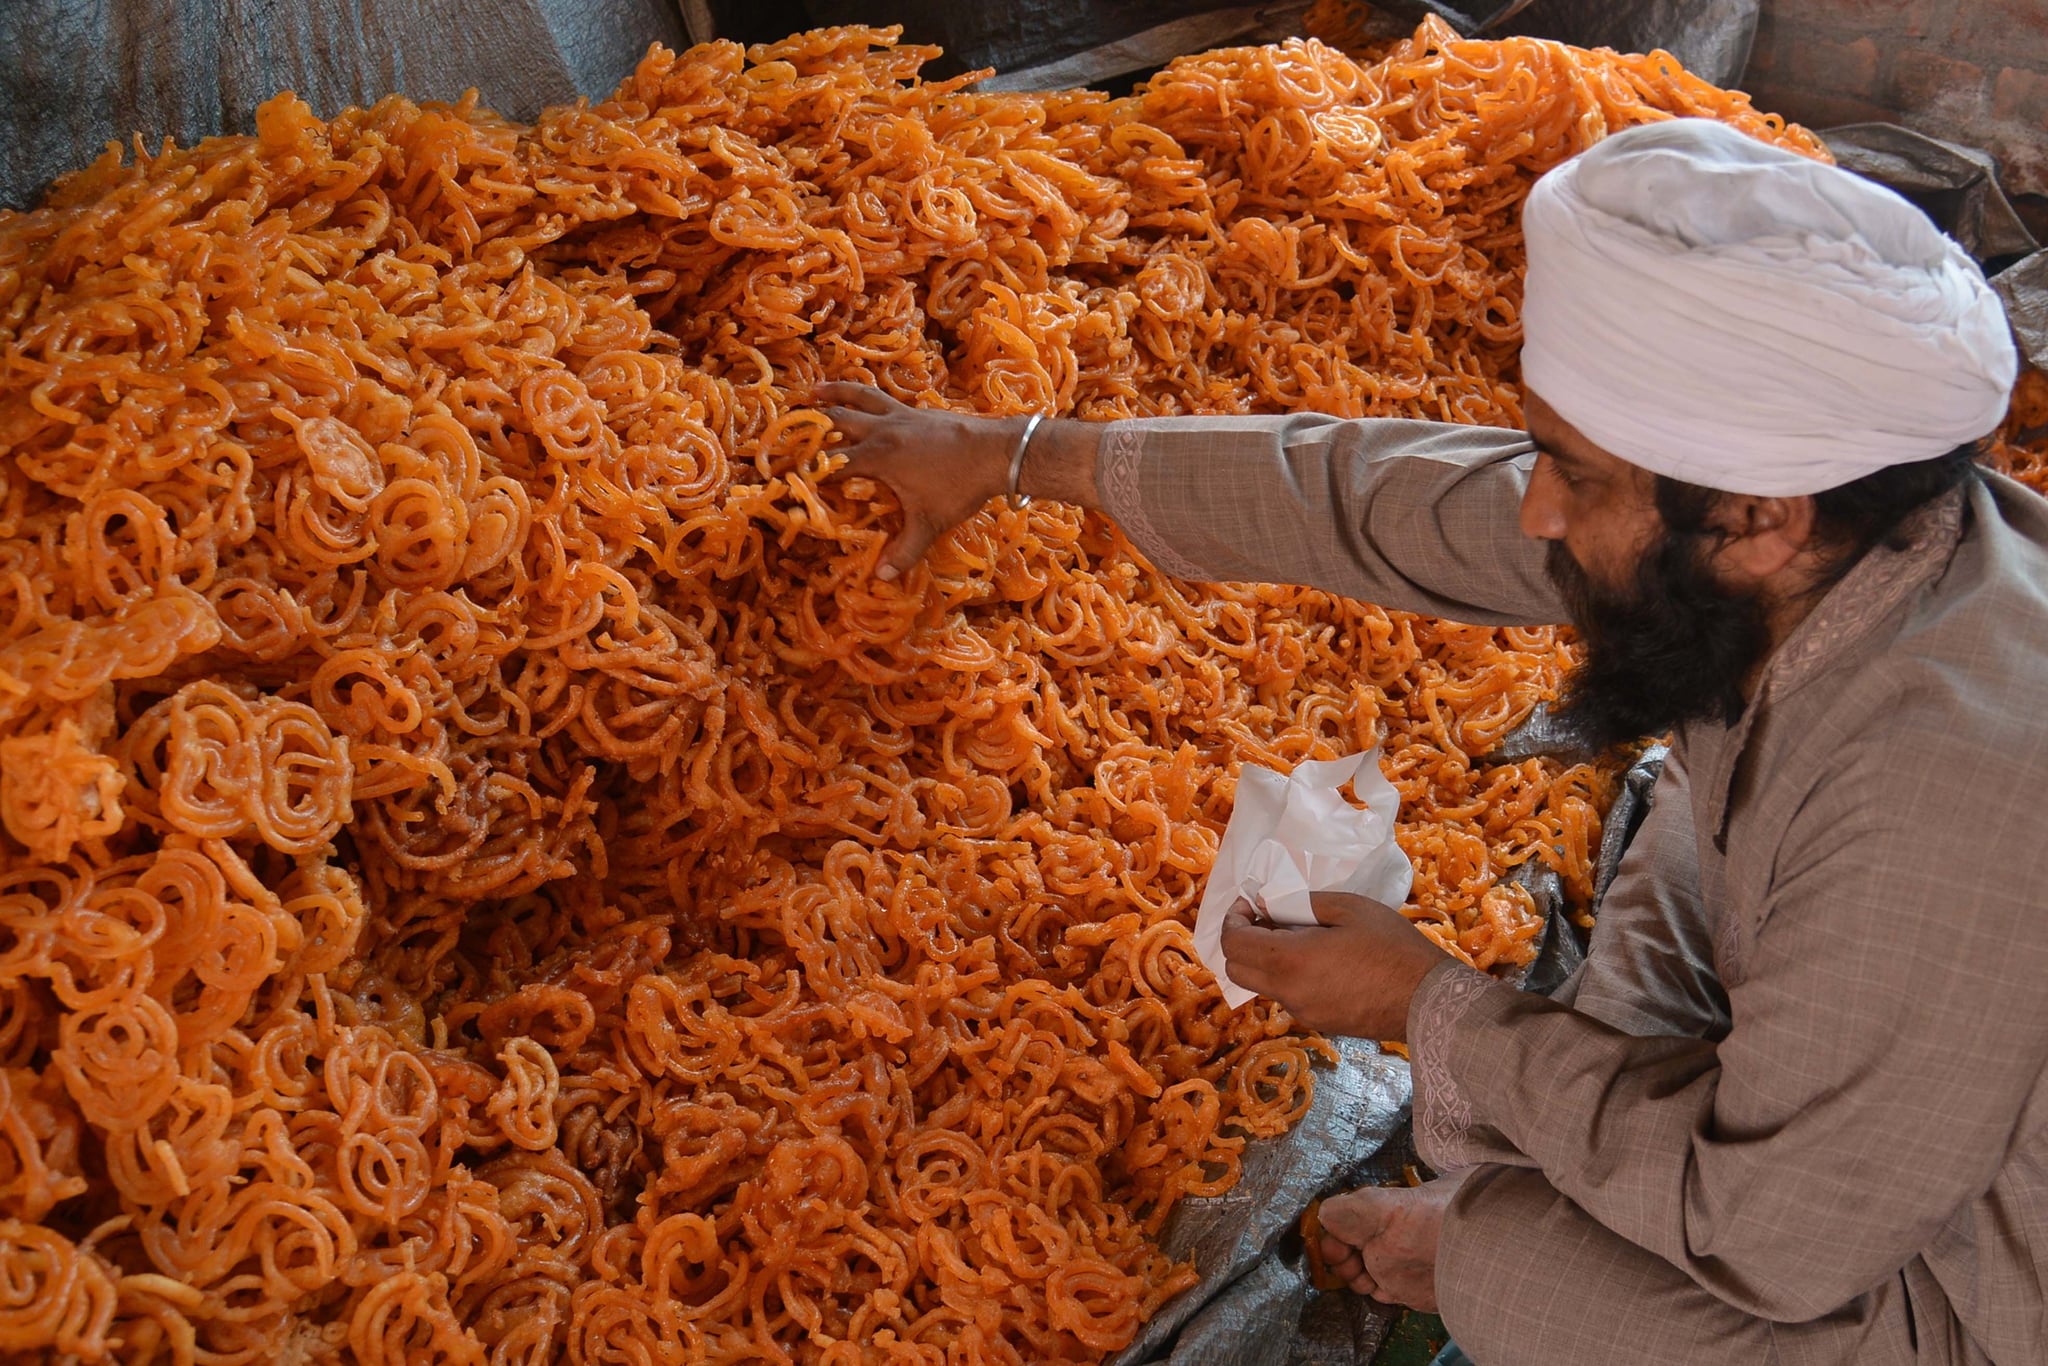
1527	1278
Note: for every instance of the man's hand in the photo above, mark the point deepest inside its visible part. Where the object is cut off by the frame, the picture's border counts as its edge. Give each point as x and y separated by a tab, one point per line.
942	465
1382	1240
1354	973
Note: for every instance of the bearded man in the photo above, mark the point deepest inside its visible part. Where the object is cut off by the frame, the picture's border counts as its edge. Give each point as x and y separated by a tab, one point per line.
1791	1109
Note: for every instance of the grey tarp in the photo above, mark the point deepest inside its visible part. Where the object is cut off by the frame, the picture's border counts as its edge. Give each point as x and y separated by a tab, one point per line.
2025	289
1044	44
1249	1308
1711	37
1154	47
1021	34
76	75
1469	17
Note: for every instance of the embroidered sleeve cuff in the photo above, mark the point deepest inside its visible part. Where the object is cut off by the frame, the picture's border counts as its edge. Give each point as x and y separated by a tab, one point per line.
1444	1129
1120	477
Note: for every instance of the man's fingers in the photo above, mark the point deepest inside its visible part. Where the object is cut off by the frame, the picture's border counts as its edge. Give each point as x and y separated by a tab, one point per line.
1242	915
863	398
852	422
1340	908
1240	933
1252	950
901	555
1250	975
861	455
1364	1284
1331	908
1357	1217
1341	1257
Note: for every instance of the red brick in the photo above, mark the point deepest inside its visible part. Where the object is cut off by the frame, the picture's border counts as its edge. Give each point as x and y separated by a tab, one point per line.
2021	96
1843	69
1911	18
1995	28
1923	80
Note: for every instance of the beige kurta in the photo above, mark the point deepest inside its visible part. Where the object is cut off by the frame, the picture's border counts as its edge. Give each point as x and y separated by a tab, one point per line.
1794	1110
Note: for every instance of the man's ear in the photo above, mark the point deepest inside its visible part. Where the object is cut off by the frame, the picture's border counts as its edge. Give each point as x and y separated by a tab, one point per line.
1761	536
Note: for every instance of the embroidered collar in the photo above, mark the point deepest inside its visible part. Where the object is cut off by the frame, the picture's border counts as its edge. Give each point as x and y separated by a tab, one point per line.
1866	597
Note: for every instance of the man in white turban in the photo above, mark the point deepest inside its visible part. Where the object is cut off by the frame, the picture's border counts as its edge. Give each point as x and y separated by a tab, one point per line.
1792	1108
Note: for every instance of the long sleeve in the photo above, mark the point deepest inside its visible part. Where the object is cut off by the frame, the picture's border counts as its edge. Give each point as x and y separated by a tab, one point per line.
1419	516
1890	1030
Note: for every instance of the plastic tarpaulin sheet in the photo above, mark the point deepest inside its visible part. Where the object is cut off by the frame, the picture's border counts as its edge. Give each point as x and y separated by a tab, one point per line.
75	76
2024	288
1711	37
1254	1305
1469	17
1046	44
1021	34
1154	47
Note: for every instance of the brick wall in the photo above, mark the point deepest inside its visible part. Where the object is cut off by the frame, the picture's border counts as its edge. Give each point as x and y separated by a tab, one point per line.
1973	71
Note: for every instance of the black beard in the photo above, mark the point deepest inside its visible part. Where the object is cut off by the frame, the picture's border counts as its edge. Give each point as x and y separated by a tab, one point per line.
1674	647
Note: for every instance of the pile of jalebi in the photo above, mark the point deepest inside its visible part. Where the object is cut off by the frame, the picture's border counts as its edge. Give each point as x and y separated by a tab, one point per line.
488	872
2021	446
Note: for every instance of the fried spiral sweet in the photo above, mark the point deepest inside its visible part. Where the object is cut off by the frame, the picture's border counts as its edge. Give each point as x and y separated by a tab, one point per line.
491	876
2021	446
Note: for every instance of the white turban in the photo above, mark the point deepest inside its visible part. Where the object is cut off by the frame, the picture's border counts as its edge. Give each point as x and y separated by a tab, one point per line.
1731	314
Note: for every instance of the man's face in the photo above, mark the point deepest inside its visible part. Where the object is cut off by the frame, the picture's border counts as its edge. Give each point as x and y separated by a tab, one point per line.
1665	641
1600	509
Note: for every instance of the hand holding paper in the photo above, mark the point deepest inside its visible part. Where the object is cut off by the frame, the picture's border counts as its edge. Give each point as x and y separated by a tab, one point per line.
1354	972
1293	835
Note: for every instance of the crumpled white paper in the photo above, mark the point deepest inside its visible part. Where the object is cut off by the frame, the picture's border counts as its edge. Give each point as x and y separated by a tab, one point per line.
1293	834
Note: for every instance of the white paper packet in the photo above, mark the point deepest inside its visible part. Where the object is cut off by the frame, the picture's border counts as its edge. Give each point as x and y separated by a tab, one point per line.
1293	834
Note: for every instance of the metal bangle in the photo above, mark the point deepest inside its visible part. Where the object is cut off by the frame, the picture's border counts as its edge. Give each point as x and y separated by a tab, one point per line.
1017	459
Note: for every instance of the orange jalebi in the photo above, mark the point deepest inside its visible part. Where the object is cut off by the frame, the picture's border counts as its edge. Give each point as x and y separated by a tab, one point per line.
2021	446
489	873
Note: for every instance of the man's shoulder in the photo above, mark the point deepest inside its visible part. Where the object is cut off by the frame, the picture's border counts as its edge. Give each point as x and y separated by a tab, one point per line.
1900	786
1968	669
1943	724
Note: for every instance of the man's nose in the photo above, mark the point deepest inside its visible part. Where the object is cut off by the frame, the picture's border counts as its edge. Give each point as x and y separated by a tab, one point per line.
1542	506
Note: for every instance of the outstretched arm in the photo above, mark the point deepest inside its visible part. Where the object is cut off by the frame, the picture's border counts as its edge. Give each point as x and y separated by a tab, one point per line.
1420	516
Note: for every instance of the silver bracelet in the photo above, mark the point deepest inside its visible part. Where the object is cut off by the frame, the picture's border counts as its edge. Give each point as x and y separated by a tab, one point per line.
1017	460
